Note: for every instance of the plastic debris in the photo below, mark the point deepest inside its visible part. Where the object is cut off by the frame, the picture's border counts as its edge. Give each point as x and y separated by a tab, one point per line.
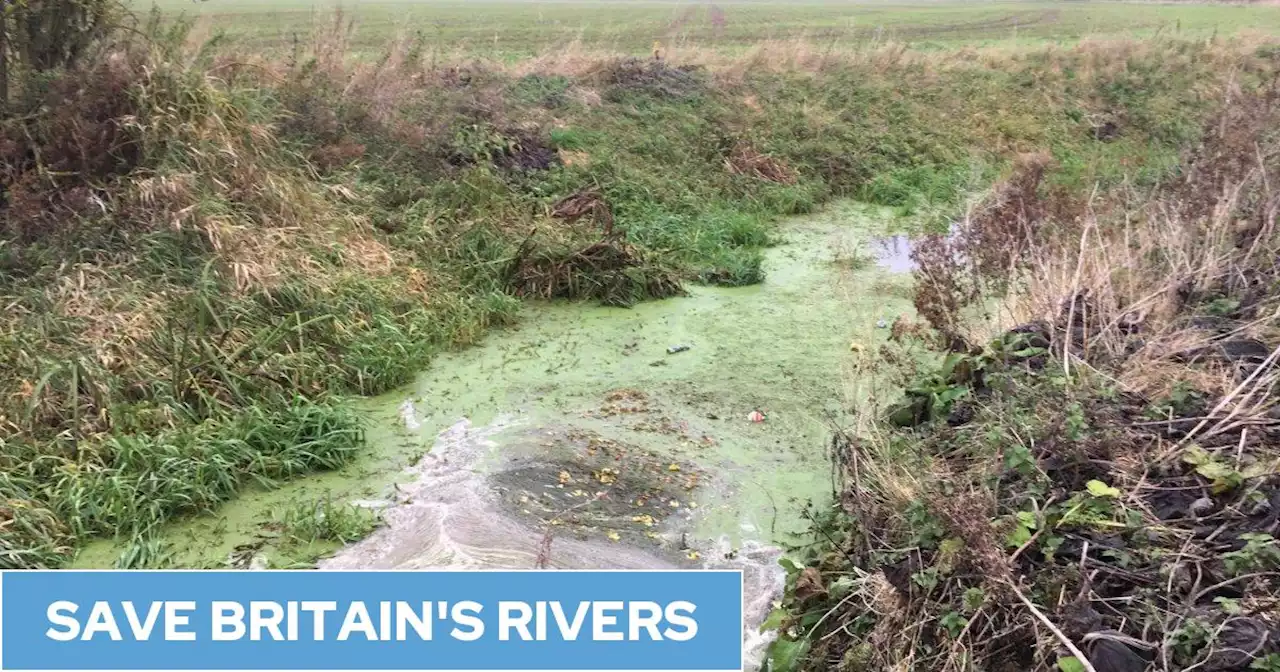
410	415
677	348
882	324
1201	506
756	416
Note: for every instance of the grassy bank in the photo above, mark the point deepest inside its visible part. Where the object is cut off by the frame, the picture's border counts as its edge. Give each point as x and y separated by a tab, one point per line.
1091	479
205	249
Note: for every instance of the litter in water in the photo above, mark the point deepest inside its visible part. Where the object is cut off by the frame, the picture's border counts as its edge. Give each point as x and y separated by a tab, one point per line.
677	348
756	416
410	415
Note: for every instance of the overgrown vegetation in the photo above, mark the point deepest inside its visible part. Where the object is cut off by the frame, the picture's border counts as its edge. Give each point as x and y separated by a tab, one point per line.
203	250
1098	487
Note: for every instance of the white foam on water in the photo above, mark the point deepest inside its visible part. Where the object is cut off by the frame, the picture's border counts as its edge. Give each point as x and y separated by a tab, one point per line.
374	504
449	517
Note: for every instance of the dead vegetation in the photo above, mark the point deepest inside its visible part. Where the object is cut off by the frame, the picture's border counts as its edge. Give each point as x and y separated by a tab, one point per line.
590	203
1097	488
559	265
745	160
610	270
654	77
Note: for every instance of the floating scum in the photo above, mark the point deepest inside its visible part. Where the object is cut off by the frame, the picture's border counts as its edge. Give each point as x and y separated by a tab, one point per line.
372	620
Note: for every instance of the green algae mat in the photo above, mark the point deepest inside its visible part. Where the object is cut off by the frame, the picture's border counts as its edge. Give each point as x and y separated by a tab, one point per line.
616	432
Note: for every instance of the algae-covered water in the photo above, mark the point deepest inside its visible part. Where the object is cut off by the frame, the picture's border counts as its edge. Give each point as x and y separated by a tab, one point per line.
579	439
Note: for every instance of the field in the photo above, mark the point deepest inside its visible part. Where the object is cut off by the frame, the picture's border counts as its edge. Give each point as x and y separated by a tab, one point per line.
513	29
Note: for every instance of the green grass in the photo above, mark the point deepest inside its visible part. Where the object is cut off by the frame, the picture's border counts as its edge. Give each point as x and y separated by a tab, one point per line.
310	530
507	29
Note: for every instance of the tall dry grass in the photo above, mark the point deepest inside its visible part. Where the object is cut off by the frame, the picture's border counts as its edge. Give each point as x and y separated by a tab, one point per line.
1108	493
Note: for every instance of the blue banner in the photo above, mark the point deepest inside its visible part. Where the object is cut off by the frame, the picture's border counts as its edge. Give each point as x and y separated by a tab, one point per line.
395	620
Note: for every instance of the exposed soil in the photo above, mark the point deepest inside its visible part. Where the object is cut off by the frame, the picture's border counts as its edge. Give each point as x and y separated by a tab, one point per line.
652	78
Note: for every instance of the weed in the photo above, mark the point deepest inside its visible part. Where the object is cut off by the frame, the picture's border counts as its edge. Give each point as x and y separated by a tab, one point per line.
326	520
1260	552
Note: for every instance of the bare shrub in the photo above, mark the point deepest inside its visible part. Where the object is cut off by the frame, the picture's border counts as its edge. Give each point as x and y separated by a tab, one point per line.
983	252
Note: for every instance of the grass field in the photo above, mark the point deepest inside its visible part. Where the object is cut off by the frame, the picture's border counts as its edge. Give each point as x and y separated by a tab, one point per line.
511	28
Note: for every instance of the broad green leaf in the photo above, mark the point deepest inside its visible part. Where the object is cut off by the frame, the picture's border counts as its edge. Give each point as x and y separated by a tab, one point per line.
1222	306
1070	664
1222	485
1018	537
952	393
1100	489
1195	455
1257	470
1224	478
784	654
1229	606
841	587
1028	519
973	598
1214	470
950	362
775	620
811	618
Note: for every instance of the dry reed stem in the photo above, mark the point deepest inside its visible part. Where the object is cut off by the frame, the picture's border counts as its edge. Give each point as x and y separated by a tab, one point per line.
1057	633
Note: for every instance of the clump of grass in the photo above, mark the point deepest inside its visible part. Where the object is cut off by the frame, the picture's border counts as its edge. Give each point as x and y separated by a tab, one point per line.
130	485
145	552
327	521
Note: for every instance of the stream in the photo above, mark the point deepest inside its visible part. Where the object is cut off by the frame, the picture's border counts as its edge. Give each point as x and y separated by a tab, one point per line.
584	438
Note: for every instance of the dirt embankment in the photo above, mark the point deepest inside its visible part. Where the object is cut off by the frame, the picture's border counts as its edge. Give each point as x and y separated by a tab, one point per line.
1099	487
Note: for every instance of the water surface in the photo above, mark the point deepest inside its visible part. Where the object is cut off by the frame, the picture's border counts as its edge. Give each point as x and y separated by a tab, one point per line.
579	440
